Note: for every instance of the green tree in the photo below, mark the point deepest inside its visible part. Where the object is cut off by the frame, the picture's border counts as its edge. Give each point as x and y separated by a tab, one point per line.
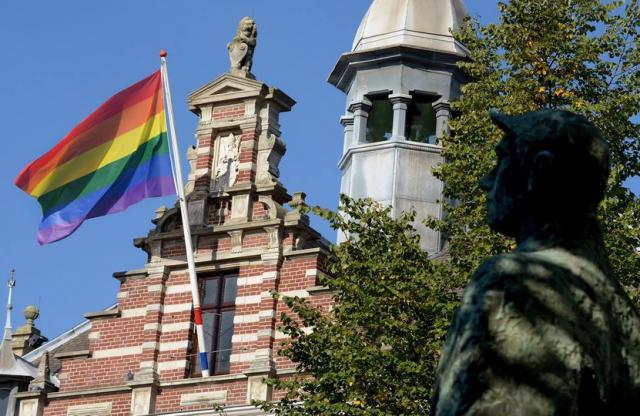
375	351
582	55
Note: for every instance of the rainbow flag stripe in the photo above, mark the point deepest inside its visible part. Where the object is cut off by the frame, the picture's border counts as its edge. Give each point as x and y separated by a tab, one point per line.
114	158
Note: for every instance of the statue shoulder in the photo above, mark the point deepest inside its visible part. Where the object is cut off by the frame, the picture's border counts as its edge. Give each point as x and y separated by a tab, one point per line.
502	265
499	271
463	368
506	279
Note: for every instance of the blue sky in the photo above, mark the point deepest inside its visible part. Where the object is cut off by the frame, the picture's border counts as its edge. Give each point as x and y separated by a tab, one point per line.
60	60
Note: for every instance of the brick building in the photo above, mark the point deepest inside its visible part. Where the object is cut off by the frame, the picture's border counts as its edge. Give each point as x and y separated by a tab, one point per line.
139	357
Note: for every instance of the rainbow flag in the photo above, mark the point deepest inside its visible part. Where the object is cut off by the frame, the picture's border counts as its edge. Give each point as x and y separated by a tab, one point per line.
116	157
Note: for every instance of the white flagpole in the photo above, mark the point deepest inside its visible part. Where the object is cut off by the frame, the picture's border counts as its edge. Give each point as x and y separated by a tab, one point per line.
193	278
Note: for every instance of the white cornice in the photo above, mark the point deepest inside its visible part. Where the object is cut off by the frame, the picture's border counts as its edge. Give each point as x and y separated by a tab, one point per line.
390	144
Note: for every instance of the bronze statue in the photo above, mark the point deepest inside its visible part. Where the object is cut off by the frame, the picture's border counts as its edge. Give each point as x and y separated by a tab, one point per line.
242	46
546	329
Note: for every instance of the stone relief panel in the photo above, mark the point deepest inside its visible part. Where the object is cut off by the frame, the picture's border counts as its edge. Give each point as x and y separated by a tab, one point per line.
226	162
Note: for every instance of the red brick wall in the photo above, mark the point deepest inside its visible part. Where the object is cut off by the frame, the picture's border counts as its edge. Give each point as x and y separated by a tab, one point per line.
207	244
169	398
173	248
248	154
204	160
254	239
218	212
168	317
228	112
81	374
260	211
113	333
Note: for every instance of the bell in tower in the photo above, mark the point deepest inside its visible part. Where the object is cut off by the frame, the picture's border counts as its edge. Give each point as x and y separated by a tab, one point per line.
399	78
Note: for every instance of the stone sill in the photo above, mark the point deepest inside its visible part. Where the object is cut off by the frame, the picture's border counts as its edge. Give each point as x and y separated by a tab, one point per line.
174	383
88	392
228	411
130	273
318	290
114	313
246	225
287	372
73	354
26	395
203	380
304	252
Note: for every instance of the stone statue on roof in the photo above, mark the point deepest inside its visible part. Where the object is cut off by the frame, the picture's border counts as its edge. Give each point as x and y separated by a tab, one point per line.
242	46
546	329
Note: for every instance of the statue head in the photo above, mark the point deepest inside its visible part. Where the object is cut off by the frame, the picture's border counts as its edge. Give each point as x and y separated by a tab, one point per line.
247	29
552	166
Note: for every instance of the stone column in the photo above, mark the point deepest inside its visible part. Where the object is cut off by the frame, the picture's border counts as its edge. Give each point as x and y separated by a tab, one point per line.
347	122
443	114
400	105
263	365
360	112
32	403
143	397
197	209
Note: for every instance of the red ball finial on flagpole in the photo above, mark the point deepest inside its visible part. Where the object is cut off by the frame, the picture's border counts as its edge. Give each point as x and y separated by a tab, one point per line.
163	53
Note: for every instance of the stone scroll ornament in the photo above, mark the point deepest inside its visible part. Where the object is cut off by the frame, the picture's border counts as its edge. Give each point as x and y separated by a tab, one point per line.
546	329
241	48
270	150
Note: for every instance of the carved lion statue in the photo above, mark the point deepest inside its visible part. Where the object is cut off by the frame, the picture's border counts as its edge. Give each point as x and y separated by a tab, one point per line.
242	46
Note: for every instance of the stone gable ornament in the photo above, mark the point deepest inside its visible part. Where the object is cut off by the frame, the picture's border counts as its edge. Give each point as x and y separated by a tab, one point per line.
270	151
192	158
227	162
42	382
241	48
546	329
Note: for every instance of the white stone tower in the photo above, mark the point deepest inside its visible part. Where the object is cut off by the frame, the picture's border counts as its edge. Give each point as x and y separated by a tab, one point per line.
399	78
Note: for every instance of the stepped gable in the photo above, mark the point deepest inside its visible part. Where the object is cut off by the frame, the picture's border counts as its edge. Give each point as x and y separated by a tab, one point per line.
233	190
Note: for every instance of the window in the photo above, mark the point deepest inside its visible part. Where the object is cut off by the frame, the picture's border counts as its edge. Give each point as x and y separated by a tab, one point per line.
421	121
7	400
218	309
4	400
380	121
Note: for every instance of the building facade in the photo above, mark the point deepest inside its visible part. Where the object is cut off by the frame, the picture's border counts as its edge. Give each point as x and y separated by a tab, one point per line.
141	356
250	237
